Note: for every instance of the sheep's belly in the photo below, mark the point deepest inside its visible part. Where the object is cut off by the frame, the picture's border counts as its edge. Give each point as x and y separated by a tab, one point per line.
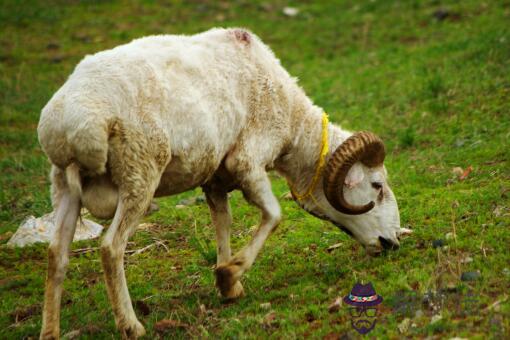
182	176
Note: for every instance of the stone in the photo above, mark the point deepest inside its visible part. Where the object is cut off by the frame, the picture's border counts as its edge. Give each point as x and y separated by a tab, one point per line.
470	276
335	305
435	318
265	305
41	229
290	11
438	243
404	325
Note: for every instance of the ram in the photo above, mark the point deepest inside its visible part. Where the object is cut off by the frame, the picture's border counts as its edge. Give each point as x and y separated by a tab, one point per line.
166	114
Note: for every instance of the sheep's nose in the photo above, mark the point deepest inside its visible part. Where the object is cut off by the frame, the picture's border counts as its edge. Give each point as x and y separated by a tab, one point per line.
388	243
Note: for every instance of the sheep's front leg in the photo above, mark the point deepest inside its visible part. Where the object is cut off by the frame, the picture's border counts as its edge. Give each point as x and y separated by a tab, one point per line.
58	257
257	189
222	220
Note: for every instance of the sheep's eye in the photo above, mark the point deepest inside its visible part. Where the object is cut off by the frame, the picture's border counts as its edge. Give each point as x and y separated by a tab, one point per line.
377	185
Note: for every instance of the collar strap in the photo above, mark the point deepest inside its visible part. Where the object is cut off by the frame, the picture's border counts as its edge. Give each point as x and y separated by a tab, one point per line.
320	163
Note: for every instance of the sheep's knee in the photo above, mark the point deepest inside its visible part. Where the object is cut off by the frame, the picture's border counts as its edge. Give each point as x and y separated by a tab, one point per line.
110	253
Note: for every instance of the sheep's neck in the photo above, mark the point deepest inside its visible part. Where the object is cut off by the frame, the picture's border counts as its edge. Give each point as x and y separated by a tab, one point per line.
299	165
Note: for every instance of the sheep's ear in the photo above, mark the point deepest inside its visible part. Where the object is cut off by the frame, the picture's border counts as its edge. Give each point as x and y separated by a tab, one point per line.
354	176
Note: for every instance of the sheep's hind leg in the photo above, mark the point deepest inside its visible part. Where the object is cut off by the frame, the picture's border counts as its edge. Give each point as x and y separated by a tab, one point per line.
112	258
257	189
222	220
58	257
137	159
139	182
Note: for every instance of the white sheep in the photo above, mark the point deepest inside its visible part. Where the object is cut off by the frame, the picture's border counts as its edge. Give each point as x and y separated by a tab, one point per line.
165	114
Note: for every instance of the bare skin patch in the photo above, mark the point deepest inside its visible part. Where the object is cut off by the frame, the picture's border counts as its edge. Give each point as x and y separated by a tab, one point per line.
242	36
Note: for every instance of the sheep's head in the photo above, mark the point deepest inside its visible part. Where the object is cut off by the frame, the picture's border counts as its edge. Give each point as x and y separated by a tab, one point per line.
356	196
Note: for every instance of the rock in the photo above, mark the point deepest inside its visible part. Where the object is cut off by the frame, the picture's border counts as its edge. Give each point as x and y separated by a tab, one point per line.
438	243
448	236
458	171
41	229
265	305
435	318
290	11
335	305
404	325
466	259
72	334
470	276
191	201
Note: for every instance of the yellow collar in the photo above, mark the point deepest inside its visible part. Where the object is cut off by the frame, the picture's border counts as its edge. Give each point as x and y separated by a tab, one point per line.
320	163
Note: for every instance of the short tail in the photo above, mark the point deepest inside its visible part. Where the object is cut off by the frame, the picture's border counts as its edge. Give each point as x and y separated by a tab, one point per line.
73	179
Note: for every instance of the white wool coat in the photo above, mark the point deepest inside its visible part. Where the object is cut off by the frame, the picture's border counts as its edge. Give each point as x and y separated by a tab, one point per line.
194	100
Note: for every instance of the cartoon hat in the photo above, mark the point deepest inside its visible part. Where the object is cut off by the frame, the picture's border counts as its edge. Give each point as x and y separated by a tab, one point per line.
363	296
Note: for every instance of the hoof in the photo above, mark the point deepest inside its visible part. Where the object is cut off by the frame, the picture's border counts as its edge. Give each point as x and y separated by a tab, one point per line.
227	281
132	332
236	292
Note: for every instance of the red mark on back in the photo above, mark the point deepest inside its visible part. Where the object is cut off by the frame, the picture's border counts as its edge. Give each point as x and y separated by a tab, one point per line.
242	36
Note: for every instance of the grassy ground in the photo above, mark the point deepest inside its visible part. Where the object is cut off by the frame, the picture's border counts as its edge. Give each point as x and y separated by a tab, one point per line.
436	87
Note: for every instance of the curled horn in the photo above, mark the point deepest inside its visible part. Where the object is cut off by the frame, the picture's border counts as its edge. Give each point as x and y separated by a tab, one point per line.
362	146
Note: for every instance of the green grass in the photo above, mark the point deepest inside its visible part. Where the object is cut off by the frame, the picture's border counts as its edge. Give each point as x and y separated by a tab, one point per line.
438	92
